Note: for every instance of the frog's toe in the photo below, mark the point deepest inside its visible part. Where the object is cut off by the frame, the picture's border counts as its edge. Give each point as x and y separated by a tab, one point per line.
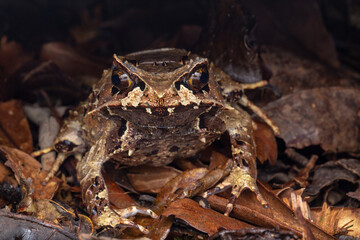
118	218
239	180
132	211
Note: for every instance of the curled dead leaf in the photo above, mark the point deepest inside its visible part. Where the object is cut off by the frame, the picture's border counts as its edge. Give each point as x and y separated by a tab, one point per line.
150	179
14	127
28	170
337	220
313	117
205	220
266	146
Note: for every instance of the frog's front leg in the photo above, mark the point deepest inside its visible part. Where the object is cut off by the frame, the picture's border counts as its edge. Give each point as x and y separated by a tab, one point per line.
95	192
243	170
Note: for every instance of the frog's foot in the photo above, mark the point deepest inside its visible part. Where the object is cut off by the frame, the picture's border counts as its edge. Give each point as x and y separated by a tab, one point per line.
111	218
239	179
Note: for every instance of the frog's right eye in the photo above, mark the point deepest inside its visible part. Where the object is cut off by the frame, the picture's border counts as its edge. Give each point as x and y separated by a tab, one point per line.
122	81
65	146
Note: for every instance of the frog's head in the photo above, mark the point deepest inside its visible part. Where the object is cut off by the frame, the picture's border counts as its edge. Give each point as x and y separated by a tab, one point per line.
159	88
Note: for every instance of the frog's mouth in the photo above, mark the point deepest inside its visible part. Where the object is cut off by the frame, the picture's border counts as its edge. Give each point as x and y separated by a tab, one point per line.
159	117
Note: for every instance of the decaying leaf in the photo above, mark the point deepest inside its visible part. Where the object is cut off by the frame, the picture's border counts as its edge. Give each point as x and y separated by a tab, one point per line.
34	77
254	233
278	214
70	61
150	179
337	220
312	117
330	172
205	220
292	73
10	192
266	147
233	52
28	170
117	196
12	55
281	22
17	226
169	192
14	127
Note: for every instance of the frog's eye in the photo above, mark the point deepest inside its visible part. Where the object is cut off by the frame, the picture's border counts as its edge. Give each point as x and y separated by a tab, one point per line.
65	146
198	79
122	81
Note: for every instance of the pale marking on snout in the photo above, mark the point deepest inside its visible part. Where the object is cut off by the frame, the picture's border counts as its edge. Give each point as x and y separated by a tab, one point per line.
187	97
133	98
171	110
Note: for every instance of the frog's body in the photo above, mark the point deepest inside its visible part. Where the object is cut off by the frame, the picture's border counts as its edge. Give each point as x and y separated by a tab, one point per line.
153	107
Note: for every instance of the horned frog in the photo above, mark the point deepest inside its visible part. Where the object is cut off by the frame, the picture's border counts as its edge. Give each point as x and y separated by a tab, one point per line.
152	107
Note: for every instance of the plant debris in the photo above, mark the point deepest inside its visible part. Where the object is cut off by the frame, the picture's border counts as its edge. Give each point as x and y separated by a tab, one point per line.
51	53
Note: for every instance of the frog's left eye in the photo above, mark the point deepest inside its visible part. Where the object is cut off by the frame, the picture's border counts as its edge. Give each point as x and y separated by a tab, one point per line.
198	79
122	81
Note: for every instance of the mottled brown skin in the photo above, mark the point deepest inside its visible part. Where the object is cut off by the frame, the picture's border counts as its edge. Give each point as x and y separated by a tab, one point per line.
159	119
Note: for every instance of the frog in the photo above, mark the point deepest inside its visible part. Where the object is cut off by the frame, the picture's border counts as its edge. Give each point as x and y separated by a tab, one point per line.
152	107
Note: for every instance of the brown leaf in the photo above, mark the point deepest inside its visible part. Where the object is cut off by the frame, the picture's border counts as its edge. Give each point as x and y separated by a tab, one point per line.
337	220
150	179
302	177
45	76
330	172
217	159
228	48
117	196
14	226
71	61
254	233
6	175
278	214
266	146
12	55
205	220
14	127
168	192
322	116
295	25
28	170
355	195
292	73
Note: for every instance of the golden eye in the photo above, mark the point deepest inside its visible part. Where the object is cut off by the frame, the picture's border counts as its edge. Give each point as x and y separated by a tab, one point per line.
122	81
198	79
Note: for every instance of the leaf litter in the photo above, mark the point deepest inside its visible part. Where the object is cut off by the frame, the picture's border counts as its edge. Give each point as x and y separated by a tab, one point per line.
317	111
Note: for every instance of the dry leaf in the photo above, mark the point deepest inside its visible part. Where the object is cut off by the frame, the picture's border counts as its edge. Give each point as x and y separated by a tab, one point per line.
266	146
337	220
16	226
12	55
14	127
117	196
205	220
169	192
278	214
230	49
322	116
34	77
28	170
292	73
150	179
296	24
330	172
70	61
254	233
